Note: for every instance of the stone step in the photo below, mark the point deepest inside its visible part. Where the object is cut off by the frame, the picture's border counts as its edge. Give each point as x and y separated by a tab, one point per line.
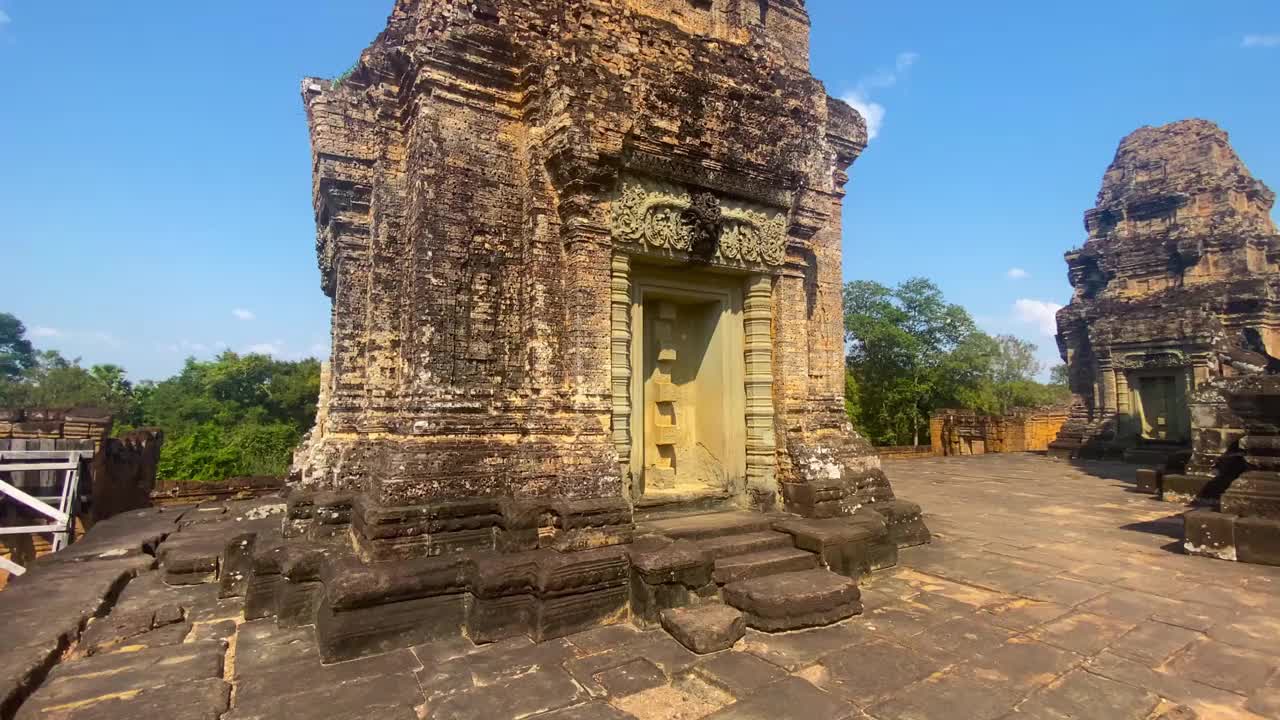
704	629
759	564
707	526
664	506
795	600
728	545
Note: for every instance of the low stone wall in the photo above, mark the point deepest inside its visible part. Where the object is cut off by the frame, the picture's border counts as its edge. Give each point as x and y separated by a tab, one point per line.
964	432
185	492
905	452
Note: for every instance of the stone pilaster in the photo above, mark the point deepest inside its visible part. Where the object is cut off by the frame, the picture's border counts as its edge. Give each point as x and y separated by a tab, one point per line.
1124	400
761	444
620	356
1107	398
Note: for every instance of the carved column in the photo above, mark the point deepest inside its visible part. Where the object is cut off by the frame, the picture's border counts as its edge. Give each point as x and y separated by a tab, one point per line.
1123	399
620	357
1107	385
757	325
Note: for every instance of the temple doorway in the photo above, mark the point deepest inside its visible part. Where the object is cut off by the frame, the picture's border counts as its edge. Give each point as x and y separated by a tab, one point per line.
1161	408
688	395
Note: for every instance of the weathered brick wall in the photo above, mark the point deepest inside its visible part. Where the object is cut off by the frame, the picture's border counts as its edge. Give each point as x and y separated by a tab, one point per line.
964	432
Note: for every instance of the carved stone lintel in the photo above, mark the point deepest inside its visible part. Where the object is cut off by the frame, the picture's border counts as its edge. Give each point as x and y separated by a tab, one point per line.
1152	360
664	217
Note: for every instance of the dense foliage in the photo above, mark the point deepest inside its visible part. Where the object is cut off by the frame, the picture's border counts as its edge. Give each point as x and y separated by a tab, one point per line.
233	415
910	353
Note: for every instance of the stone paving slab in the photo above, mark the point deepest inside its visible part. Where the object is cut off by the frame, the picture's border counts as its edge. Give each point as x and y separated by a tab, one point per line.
1051	591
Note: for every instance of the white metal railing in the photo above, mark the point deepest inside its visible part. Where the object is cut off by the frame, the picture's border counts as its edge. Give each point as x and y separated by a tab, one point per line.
61	515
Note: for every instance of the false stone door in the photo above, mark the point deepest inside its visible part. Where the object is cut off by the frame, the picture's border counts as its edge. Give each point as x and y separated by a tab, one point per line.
688	397
1162	408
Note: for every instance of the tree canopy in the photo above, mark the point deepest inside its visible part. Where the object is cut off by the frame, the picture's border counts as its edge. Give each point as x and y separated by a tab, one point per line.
16	353
909	352
233	415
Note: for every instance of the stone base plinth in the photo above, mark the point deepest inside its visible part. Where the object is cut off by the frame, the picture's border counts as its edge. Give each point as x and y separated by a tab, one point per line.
1226	536
542	594
1256	492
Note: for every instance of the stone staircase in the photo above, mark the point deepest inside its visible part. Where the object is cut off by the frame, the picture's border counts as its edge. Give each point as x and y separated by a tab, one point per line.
759	569
743	545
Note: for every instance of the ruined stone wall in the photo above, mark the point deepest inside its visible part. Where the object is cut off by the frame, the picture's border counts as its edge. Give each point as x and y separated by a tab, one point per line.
119	473
964	432
465	179
1179	278
82	428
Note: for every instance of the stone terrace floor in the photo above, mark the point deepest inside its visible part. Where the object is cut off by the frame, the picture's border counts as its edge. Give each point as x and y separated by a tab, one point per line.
1051	591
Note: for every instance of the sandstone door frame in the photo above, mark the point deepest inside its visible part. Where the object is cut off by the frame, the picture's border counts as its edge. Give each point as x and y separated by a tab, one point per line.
751	294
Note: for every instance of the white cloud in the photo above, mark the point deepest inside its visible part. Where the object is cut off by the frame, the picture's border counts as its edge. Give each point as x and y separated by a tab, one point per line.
266	348
242	314
1038	312
1261	41
92	337
906	60
1017	273
103	337
872	112
860	97
4	18
187	347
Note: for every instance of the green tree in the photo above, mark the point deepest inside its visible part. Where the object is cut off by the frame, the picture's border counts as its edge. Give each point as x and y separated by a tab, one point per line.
910	352
1015	365
966	375
16	352
899	340
1060	375
57	382
234	415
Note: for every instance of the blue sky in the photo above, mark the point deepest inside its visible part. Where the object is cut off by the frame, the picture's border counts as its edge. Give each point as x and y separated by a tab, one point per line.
155	173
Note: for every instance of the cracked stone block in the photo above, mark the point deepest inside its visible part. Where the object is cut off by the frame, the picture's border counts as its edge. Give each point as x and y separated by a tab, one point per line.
705	629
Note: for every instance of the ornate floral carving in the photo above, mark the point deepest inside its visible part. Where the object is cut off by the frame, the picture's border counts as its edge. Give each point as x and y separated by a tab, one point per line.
662	216
1152	360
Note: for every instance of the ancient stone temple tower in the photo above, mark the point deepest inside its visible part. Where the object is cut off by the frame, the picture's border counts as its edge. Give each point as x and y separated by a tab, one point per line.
586	251
585	265
1177	284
